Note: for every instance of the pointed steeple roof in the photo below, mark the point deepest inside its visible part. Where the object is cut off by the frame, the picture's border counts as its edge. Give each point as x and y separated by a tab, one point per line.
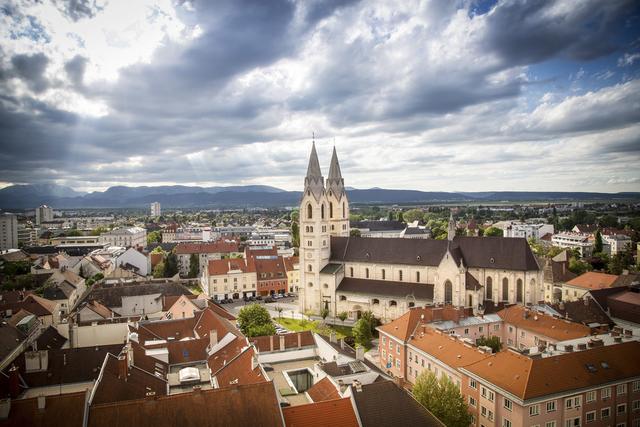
314	182
313	170
335	182
334	168
451	232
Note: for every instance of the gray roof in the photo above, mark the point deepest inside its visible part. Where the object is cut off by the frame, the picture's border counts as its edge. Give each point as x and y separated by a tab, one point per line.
385	288
111	295
382	404
480	252
379	225
331	268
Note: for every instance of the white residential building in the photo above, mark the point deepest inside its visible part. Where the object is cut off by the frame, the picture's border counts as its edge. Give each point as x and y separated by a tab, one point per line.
617	243
155	209
127	237
44	214
528	231
8	231
132	258
573	241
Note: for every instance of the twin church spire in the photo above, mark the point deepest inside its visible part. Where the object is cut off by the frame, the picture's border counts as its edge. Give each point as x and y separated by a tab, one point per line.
314	181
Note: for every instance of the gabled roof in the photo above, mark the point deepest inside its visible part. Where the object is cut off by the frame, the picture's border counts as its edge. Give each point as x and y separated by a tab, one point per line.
530	378
111	294
445	348
240	370
593	280
323	390
223	266
582	311
385	288
543	324
402	327
245	405
476	252
65	410
384	404
117	384
50	339
337	412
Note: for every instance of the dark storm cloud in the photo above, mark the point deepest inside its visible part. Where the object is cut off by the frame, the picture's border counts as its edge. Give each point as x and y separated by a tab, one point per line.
31	68
527	32
78	9
75	68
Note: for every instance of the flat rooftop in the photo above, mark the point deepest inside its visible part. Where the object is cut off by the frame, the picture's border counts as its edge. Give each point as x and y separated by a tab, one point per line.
281	383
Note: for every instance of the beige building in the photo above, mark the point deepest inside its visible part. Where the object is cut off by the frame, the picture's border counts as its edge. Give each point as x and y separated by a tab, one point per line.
8	231
135	237
229	278
389	276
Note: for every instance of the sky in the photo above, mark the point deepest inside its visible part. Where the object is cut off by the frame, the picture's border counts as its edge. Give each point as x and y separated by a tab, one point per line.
436	95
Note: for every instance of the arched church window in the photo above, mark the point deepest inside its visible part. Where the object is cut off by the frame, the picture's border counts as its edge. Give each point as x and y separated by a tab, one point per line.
330	209
418	276
310	268
351	271
384	274
366	273
325	286
505	289
322	211
519	290
375	301
489	288
392	303
412	304
343	298
448	292
311	229
400	275
309	211
344	210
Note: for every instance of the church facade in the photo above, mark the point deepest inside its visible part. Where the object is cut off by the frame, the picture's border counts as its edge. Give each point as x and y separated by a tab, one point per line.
390	275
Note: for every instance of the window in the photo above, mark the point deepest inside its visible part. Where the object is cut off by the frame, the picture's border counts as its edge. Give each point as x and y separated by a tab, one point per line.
636	385
483	411
398	363
351	271
505	289
489	287
481	329
496	327
392	303
384	354
590	417
605	413
621	408
590	397
605	393
309	211
384	340
309	243
573	402
472	401
534	410
330	209
550	424
343	298
310	268
322	211
621	389
506	423
448	292
572	422
366	273
466	331
422	363
398	348
383	274
400	276
519	290
635	406
418	276
508	405
551	406
473	384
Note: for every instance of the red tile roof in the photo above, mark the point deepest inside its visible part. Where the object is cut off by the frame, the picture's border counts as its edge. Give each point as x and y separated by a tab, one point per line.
239	371
323	390
338	412
253	405
402	327
543	324
217	267
593	280
445	348
60	410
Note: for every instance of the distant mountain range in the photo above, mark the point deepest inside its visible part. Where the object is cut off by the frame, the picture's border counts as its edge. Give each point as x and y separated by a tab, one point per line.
175	196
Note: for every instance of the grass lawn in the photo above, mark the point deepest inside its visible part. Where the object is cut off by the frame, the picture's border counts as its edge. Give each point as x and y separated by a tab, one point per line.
307	325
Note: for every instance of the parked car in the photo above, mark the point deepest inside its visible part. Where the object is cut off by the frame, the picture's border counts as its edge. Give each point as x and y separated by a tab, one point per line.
259	297
268	299
252	298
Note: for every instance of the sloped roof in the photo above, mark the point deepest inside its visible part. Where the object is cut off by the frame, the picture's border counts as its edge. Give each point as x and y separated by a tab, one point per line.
477	252
65	410
384	404
220	246
223	266
593	280
337	412
111	294
580	312
238	371
323	390
530	378
445	348
543	324
386	288
245	405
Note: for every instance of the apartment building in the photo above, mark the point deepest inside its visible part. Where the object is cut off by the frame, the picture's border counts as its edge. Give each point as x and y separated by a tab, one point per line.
8	231
135	237
578	241
229	278
206	252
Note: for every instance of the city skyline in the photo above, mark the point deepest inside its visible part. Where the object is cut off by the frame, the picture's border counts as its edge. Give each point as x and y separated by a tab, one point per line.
435	96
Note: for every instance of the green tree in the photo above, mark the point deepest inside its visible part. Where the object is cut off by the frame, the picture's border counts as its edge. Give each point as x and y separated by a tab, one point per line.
158	270
355	217
597	246
170	265
99	230
157	250
194	266
324	313
413	215
254	320
343	316
391	217
362	332
295	234
442	397
154	237
372	320
493	342
279	310
74	233
493	231
578	266
400	216
354	232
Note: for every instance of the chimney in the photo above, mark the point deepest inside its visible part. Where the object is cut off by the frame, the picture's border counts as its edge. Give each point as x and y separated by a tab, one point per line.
122	367
359	353
357	385
586	301
14	381
281	342
213	338
41	402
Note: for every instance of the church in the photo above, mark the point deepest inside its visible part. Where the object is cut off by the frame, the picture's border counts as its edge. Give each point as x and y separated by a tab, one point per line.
390	275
